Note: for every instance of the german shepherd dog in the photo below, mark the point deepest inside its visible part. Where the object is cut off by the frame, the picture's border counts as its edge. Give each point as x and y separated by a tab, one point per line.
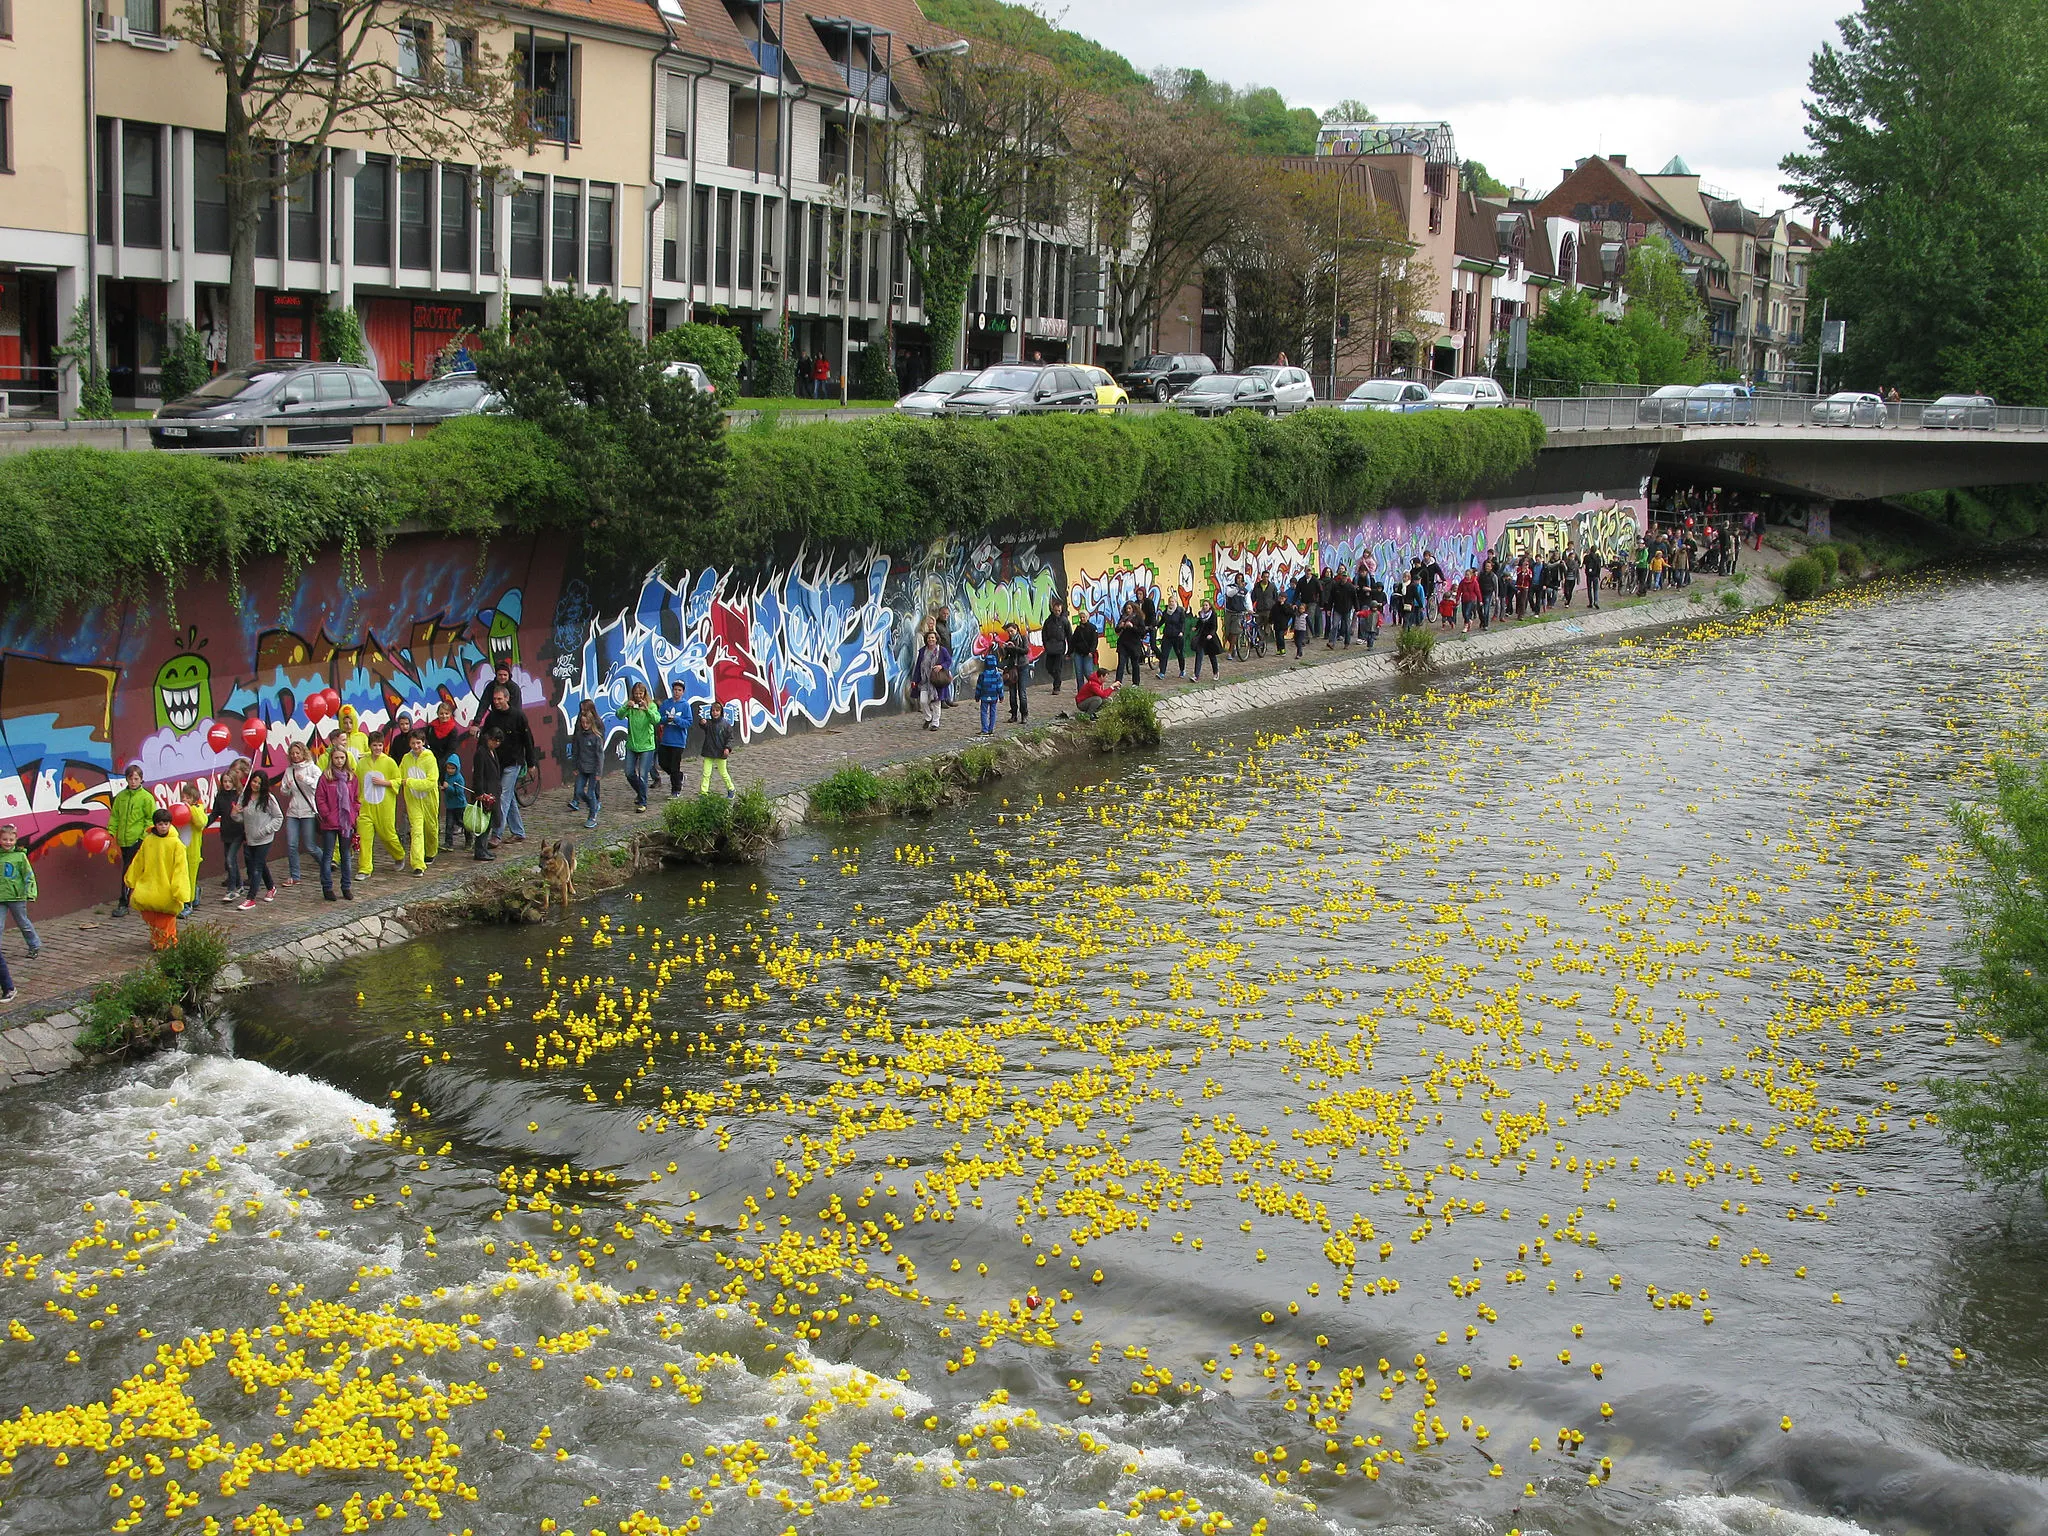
557	873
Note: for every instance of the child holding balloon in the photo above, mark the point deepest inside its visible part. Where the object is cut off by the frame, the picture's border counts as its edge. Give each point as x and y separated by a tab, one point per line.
190	831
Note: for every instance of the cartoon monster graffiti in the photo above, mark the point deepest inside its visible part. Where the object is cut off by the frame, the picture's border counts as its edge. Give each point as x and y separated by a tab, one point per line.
501	637
183	689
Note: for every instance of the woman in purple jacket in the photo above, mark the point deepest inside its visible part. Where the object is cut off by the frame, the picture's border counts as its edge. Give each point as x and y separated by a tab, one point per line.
336	805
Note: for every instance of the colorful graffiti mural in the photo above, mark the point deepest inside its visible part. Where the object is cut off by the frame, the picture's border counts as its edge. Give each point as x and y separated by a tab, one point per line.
1192	565
1385	543
83	696
810	642
1610	528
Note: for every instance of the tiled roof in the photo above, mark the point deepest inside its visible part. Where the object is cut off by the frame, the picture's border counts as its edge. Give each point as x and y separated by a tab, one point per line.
631	15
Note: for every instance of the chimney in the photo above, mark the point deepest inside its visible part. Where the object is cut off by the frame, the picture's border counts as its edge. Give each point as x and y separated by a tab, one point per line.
1621	160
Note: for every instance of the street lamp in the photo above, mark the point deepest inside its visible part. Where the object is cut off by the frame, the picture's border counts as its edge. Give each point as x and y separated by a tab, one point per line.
954	49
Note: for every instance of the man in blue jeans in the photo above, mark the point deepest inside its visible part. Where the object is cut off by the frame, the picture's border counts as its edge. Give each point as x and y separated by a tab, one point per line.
516	755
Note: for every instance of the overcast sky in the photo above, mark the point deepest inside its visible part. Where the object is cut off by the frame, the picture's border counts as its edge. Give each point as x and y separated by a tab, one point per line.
1527	90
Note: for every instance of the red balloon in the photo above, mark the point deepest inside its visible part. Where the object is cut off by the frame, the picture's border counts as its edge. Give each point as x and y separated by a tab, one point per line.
254	734
219	736
333	702
96	840
316	708
181	814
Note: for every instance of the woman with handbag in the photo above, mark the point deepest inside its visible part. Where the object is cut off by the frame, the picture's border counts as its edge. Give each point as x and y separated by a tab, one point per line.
931	677
487	786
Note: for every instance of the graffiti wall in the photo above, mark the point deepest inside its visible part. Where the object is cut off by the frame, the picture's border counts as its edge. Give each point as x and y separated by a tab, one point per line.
1386	543
1192	565
245	675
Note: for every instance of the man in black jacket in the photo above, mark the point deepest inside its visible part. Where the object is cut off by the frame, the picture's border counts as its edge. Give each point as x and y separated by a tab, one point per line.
516	755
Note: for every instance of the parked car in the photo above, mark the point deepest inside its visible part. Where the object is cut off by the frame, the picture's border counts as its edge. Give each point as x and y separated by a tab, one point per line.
1217	393
1293	389
694	372
1012	389
1468	394
1165	374
453	394
323	401
1109	394
930	397
1664	406
1389	395
1961	411
1720	405
1849	408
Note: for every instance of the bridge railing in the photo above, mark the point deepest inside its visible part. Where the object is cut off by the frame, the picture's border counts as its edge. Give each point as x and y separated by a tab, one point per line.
1596	414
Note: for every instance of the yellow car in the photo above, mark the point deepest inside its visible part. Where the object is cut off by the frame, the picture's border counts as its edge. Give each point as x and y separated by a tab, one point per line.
1109	395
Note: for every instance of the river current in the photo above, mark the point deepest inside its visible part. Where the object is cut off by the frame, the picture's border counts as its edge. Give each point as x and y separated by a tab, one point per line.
1489	1106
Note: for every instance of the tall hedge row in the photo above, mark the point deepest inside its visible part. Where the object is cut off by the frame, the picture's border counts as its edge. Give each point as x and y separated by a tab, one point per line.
81	526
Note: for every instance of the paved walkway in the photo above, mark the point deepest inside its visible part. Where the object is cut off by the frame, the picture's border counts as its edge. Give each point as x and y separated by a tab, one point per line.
82	949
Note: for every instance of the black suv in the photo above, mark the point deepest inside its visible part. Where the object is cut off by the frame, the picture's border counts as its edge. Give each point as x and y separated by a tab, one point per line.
321	401
1018	389
1165	374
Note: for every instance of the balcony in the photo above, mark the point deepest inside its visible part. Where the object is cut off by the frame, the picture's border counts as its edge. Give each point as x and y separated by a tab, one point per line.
767	55
867	85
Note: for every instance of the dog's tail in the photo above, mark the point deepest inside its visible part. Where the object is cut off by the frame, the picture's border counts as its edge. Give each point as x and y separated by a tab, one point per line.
568	853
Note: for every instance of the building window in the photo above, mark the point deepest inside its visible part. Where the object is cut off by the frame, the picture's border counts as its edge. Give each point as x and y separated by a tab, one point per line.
146	17
548	69
597	255
458	57
700	235
456	201
568	209
722	264
142	204
793	234
676	116
415	47
671	217
756	132
857	247
323	31
814	255
415	217
529	250
7	26
6	119
373	213
749	272
302	217
274	29
486	226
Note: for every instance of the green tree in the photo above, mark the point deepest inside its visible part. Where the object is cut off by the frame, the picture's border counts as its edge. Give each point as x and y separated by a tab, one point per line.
649	452
1666	322
1573	343
715	348
1927	133
1083	60
774	368
1350	110
1477	179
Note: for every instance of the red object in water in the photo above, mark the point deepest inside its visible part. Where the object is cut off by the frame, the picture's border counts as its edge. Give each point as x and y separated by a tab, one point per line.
181	814
218	737
254	734
96	840
316	707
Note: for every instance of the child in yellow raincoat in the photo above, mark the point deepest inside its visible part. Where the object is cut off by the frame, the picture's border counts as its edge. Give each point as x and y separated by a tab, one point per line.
377	778
190	835
349	732
159	881
420	774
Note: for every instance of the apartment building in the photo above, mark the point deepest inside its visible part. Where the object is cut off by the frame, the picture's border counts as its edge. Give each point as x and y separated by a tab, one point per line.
43	254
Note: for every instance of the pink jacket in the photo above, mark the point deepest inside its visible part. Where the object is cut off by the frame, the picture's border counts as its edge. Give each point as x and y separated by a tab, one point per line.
336	803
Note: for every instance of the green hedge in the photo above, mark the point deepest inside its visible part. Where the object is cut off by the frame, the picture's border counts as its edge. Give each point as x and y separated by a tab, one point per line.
80	526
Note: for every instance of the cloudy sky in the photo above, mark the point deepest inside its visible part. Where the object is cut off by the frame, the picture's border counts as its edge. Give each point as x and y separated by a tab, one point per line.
1527	92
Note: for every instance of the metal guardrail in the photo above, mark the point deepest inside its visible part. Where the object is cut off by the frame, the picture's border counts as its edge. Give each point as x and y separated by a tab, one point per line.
1605	415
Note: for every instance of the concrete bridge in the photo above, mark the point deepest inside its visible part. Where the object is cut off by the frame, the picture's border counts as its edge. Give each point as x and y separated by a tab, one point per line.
1780	451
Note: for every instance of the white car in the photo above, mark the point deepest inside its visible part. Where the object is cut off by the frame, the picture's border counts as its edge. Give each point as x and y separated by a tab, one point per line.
1389	395
1293	389
1850	408
694	372
1468	394
930	397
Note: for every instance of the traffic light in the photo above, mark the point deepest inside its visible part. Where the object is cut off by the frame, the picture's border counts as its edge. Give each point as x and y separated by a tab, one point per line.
1085	304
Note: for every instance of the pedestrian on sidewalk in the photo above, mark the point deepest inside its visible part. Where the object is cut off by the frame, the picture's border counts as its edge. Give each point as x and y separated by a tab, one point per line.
377	779
1055	639
718	724
1593	580
17	889
674	739
1130	643
988	693
643	723
348	733
338	806
1173	637
1571	577
1298	622
1208	641
128	818
931	677
1085	642
586	756
1468	597
159	882
193	835
257	809
227	791
420	774
1014	654
444	731
516	755
298	785
1371	604
1343	603
454	801
488	788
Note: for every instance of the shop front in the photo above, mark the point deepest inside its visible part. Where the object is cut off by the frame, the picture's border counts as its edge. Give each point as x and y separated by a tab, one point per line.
411	341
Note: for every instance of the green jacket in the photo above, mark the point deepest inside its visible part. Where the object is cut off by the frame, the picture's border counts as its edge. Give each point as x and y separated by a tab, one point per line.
17	876
130	815
640	727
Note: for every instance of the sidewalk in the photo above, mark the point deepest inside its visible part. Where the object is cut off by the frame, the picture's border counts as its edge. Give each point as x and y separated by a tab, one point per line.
83	949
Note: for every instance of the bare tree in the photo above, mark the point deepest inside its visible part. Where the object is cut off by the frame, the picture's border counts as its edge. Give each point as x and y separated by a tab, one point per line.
1170	185
982	121
417	74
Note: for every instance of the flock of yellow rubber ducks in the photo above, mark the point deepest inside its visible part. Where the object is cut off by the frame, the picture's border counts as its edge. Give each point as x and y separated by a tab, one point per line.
1339	1031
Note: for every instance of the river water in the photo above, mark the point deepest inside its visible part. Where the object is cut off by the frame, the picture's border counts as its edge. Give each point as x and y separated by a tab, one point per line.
1484	1107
